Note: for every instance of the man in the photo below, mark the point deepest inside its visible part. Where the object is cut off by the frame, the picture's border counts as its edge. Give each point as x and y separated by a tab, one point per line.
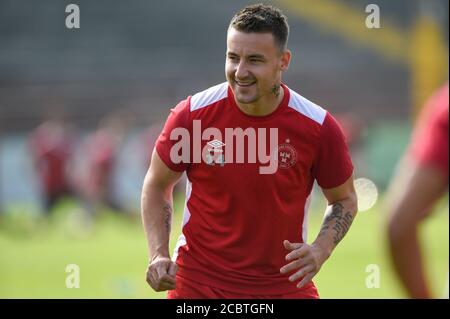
51	148
421	180
244	233
101	149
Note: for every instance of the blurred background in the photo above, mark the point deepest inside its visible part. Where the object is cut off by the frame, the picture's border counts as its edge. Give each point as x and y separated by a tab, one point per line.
81	108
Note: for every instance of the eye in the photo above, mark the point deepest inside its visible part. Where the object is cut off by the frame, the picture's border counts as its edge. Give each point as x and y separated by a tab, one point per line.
256	60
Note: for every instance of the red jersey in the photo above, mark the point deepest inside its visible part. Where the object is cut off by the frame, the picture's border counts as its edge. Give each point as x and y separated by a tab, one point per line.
236	217
51	149
429	145
101	151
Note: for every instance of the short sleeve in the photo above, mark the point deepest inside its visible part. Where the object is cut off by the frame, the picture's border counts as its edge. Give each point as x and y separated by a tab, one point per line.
178	119
429	145
333	164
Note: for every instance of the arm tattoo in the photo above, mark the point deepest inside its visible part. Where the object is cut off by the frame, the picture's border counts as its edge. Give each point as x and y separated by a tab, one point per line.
338	222
167	216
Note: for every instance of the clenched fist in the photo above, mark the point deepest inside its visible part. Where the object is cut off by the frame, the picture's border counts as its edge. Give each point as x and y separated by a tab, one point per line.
161	274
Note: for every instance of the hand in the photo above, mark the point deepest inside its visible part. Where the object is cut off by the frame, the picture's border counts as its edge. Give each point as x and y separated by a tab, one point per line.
306	258
161	273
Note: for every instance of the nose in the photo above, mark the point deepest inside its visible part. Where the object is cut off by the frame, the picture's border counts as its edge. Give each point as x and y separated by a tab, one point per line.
241	71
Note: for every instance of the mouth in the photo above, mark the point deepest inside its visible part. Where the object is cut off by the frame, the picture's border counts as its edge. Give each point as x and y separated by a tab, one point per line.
244	84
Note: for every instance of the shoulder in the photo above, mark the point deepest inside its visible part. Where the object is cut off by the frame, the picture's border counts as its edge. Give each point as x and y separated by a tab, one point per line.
320	119
434	115
208	97
438	106
306	108
182	114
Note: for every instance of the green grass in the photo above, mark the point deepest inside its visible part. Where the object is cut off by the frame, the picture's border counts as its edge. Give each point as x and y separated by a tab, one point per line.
344	275
112	257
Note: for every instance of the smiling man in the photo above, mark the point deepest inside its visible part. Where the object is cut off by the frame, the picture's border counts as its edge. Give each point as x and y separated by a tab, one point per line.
245	230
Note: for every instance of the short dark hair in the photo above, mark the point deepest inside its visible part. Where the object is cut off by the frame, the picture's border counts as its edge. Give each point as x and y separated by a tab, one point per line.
263	18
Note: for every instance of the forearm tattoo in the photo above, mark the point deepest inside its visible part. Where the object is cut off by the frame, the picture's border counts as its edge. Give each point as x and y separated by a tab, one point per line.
338	222
167	216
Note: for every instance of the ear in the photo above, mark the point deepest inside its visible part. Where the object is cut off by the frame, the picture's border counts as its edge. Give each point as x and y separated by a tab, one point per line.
285	60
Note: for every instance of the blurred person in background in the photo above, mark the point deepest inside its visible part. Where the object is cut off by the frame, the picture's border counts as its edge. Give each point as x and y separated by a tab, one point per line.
51	147
148	139
100	151
421	180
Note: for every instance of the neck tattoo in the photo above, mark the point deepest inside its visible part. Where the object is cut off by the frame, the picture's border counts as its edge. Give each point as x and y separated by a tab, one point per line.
276	90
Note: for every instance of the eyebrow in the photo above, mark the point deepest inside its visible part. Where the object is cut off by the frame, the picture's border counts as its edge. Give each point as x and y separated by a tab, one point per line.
256	55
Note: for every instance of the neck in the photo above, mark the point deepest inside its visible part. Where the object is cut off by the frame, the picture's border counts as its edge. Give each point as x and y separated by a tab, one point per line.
265	105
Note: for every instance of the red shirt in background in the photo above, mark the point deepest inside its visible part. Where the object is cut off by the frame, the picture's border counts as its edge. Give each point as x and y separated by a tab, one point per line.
101	153
51	149
429	144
